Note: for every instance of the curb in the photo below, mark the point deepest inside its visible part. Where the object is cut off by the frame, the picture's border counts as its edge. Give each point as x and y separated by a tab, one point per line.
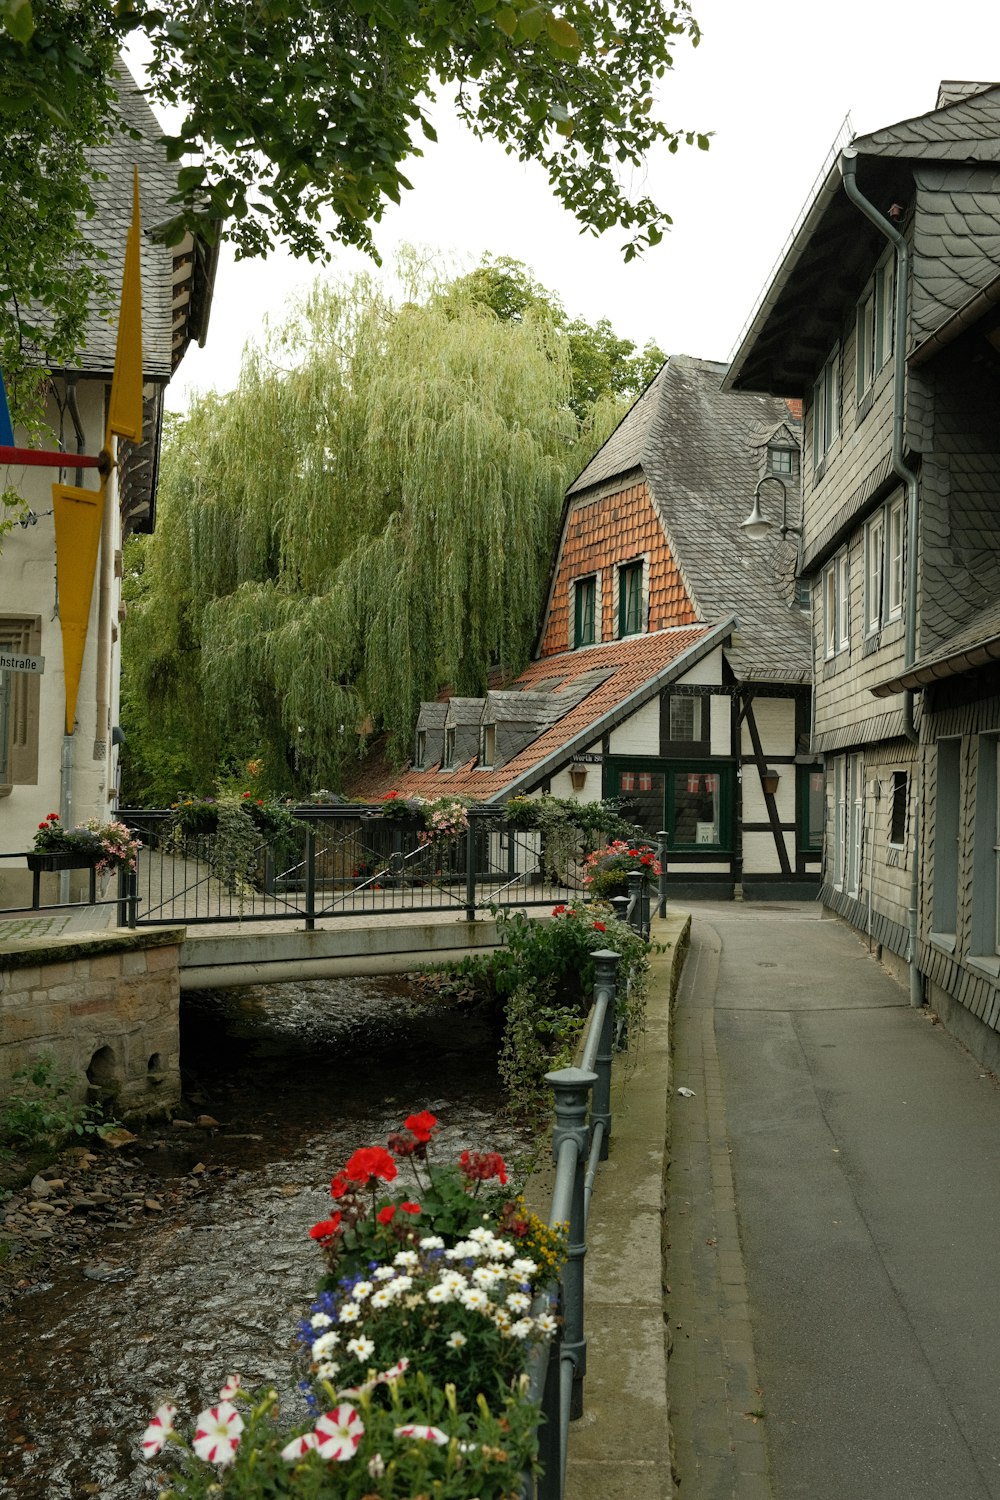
621	1446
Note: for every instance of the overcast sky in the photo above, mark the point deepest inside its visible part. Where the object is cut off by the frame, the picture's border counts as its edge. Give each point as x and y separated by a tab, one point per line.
772	81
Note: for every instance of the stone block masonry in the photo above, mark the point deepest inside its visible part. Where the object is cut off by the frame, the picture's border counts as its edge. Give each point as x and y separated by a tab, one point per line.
104	1007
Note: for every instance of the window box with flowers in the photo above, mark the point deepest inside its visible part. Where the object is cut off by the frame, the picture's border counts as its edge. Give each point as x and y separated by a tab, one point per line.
606	871
87	846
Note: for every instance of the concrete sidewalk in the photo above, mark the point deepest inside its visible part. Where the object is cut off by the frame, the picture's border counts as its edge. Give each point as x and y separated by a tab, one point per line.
854	1325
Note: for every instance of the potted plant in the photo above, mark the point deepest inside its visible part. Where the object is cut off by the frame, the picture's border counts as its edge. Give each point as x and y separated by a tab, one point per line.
405	812
606	871
90	845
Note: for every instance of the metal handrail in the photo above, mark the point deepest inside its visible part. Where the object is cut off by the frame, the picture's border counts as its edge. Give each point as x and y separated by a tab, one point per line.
580	1140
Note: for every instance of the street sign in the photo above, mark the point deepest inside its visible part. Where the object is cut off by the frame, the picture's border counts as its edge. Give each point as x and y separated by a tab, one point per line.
11	662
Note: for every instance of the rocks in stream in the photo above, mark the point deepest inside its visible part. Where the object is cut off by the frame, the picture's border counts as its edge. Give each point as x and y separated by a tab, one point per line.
88	1193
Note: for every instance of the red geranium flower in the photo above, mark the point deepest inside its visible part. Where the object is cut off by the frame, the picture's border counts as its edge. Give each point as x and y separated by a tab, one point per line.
557	911
410	1208
480	1166
368	1162
326	1229
339	1186
387	1214
600	927
423	1125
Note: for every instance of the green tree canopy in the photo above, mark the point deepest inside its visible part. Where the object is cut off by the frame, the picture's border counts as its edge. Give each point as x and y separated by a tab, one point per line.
297	116
368	516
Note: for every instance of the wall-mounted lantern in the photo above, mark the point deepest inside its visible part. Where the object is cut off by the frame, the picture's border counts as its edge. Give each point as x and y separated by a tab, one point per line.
756	524
578	775
769	781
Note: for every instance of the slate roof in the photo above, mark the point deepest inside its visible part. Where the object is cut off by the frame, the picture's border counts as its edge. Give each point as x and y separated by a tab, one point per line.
702	452
176	282
595	688
946	162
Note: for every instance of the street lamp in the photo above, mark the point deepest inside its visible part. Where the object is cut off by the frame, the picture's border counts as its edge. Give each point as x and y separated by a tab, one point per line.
756	524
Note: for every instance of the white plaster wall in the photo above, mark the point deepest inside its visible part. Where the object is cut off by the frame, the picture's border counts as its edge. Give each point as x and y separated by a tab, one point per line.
760	856
640	734
720	723
27	587
754	805
708	669
775	720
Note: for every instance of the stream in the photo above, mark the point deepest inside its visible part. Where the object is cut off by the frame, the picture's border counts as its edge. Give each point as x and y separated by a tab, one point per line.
297	1075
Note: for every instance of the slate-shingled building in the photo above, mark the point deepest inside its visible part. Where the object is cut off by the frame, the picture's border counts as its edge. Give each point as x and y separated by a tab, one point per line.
884	316
673	662
176	294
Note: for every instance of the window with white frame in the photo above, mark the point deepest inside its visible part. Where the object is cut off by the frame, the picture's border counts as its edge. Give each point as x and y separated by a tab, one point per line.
855	822
449	749
894	560
837	605
839	821
488	745
826	407
420	754
874	327
874	572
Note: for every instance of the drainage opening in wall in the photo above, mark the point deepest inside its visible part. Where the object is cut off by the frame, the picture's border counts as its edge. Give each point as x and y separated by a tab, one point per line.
154	1069
102	1074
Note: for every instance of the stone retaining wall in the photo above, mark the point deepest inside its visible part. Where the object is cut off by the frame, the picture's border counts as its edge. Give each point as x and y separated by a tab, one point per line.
105	1008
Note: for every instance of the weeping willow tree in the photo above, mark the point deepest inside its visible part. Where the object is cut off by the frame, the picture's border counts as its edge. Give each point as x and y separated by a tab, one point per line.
368	516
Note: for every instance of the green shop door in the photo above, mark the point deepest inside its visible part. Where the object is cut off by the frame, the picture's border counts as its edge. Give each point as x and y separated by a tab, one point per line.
693	800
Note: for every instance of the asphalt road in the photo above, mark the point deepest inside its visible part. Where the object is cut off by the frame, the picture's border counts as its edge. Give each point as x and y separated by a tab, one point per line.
865	1149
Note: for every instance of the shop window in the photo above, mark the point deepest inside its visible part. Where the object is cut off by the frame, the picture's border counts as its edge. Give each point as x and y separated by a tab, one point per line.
20	694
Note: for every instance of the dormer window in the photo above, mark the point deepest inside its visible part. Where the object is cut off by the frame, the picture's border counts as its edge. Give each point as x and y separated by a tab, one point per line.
449	749
781	461
420	752
488	745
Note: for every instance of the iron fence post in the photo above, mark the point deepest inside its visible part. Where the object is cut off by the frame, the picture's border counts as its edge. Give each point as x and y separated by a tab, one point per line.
310	878
470	869
661	854
572	1088
636	901
605	985
620	904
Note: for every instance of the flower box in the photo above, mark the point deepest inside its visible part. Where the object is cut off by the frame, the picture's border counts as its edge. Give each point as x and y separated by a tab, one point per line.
65	859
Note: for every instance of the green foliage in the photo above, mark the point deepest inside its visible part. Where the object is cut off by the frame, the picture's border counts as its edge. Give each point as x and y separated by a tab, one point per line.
39	1109
292	110
483	1454
607	373
341	570
56	104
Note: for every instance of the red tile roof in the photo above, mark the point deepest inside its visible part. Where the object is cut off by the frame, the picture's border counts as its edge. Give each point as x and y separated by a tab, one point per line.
631	663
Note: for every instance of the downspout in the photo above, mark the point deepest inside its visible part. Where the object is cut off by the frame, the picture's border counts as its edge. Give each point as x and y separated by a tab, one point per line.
848	168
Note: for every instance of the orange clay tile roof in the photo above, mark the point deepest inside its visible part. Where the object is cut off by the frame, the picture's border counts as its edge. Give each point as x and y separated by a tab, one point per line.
632	664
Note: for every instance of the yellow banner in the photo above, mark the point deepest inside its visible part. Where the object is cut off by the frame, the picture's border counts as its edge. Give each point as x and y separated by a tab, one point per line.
77	515
125	407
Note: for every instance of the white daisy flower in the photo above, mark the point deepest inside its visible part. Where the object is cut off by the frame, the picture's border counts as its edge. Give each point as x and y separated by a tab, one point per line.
522	1328
361	1347
456	1340
382	1298
408	1258
328	1370
432	1242
474	1299
324	1344
320	1320
546	1323
482	1276
383	1273
362	1290
349	1313
524	1267
439	1293
518	1302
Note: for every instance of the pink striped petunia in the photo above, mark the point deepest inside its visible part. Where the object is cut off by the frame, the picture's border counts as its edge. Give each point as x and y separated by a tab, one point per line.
217	1433
426	1434
338	1433
299	1447
160	1427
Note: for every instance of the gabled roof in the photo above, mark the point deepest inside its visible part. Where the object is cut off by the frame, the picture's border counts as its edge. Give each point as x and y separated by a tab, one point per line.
701	451
952	154
618	677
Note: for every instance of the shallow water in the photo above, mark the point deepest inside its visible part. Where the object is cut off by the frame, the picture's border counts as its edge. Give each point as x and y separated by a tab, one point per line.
298	1075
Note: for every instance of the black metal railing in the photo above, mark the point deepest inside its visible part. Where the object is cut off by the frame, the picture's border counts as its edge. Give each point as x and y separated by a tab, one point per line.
344	862
580	1141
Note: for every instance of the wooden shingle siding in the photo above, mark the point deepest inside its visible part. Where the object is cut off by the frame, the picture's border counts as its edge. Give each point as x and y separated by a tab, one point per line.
891	935
599	535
